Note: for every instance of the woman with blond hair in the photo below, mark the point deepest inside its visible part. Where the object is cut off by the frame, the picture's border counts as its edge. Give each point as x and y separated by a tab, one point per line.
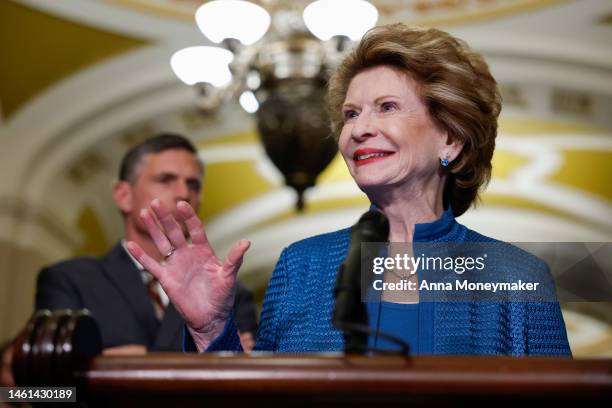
415	113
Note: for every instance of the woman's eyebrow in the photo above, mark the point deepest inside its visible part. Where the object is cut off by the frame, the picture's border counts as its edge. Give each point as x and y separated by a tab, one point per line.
380	98
349	105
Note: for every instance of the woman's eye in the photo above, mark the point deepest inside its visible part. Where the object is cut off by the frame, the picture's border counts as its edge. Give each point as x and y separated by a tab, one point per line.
349	114
387	106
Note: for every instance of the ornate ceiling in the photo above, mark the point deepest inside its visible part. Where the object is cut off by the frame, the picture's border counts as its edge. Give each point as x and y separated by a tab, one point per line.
80	84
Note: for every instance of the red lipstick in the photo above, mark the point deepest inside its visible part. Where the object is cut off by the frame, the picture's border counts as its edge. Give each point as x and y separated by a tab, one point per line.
367	155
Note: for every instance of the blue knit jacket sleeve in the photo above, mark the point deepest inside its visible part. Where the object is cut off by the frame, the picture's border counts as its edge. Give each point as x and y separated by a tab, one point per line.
546	334
228	340
527	326
273	307
544	330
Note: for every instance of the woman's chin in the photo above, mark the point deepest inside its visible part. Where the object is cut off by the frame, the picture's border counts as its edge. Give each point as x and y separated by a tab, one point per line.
367	183
372	185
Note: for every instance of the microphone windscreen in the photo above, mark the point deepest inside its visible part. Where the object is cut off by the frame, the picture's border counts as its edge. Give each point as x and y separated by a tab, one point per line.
373	226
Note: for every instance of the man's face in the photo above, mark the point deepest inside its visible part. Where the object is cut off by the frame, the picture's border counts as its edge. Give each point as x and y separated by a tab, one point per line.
171	176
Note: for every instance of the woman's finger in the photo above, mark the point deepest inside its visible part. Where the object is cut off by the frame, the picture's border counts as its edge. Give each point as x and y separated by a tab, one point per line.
192	222
234	258
145	260
173	230
159	238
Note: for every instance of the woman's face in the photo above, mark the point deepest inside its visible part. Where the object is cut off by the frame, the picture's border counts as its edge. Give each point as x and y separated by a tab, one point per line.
388	138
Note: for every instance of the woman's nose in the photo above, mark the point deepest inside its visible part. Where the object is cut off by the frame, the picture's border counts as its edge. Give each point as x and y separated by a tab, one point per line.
363	127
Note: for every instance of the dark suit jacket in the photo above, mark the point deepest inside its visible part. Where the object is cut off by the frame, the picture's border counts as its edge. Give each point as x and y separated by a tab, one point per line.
111	288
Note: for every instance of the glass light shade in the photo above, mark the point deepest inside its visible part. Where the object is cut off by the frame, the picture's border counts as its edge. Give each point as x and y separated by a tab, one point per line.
202	64
248	102
242	20
351	18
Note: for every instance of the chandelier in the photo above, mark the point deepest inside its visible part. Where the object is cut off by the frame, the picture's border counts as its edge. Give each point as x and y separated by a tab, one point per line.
277	65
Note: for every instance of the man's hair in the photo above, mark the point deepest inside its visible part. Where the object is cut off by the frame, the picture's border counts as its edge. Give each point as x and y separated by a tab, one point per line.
453	82
155	144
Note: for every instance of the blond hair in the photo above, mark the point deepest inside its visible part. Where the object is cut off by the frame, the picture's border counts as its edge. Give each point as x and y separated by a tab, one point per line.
455	84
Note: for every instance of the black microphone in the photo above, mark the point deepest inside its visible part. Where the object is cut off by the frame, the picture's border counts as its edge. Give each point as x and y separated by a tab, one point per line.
350	314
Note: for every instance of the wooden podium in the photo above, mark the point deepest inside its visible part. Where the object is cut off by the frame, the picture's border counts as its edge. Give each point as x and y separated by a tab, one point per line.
167	379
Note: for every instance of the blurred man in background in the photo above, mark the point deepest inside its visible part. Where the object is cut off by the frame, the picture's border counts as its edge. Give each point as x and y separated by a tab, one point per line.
132	310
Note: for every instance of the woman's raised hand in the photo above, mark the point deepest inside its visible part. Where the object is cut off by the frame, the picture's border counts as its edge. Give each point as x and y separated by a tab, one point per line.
199	284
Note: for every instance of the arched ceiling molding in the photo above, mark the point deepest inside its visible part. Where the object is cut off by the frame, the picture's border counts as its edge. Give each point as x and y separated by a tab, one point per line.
38	50
110	122
122	20
570	21
113	96
81	99
38	229
226	227
517	69
124	14
532	181
564	51
122	116
268	242
542	227
559	29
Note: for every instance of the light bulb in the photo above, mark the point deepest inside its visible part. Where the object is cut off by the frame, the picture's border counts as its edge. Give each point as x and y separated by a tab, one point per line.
248	102
242	20
351	18
202	64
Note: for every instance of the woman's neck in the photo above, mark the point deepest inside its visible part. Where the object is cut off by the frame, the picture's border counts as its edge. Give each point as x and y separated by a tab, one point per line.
405	207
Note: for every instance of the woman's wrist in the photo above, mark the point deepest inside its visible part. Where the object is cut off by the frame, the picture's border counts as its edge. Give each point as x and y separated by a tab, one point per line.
205	335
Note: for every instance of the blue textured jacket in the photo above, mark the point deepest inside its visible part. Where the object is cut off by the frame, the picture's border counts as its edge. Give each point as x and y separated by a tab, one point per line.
297	309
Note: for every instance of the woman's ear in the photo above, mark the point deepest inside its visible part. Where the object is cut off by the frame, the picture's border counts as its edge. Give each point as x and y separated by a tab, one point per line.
453	148
122	194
